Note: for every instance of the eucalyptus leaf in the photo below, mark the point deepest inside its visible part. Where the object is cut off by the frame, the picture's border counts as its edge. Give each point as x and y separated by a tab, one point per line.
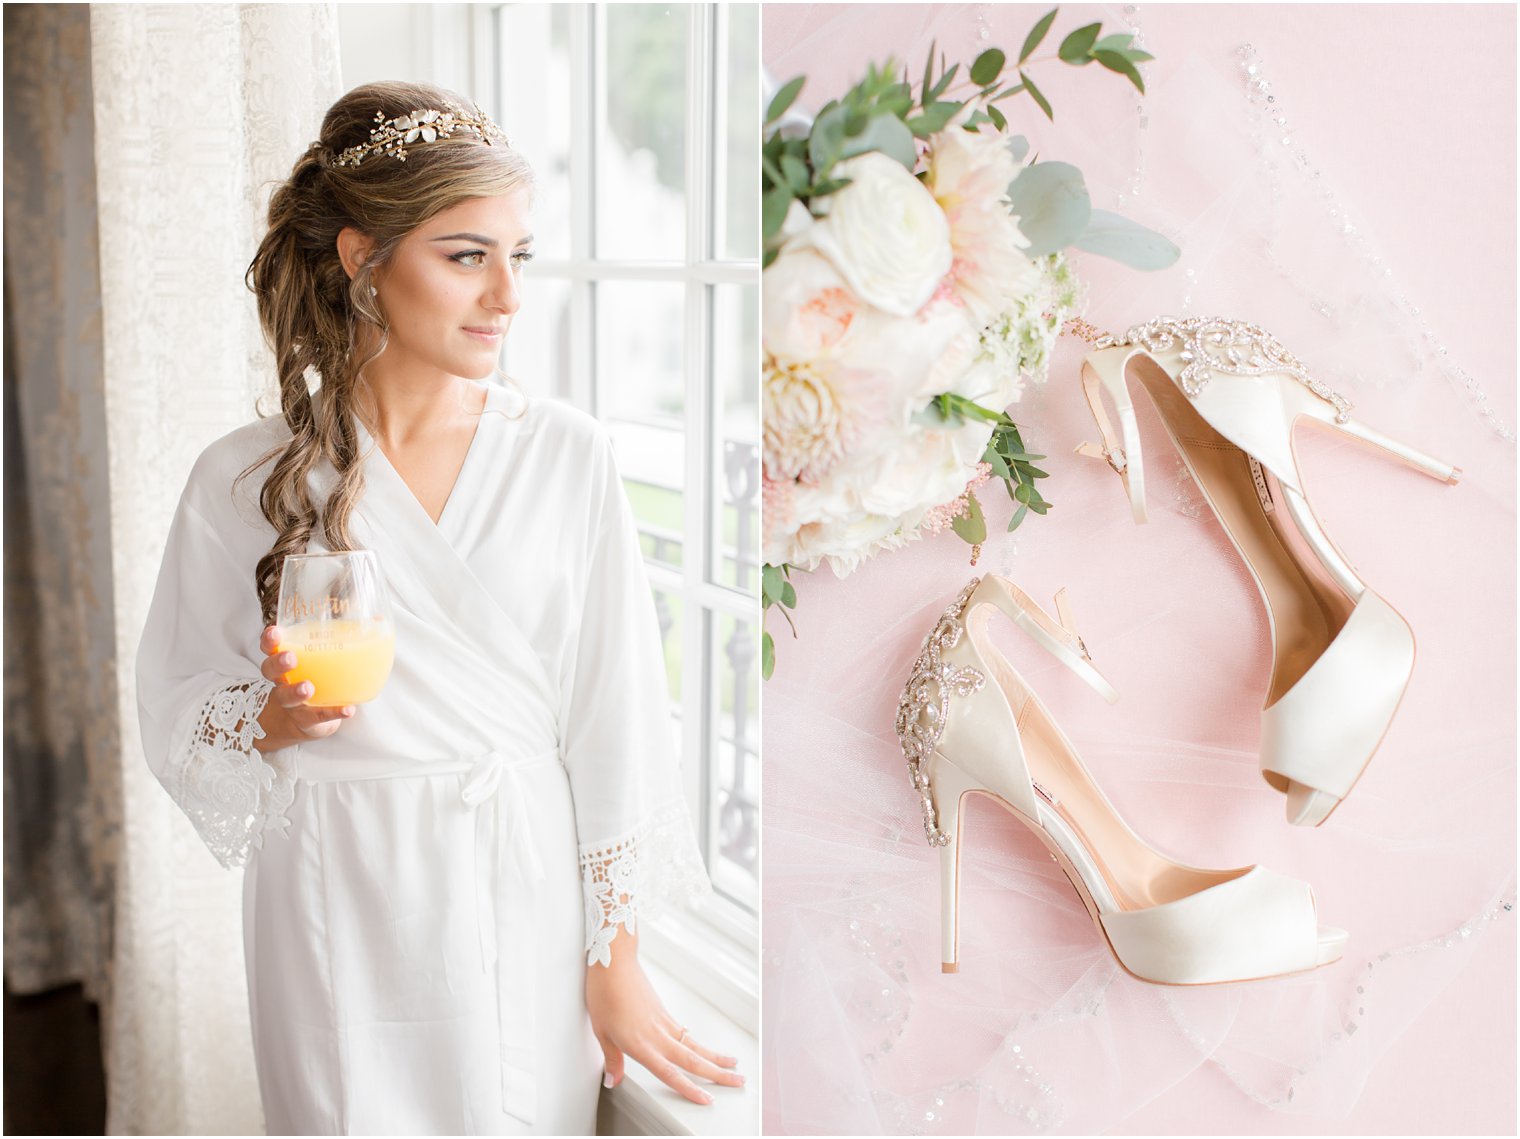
827	138
996	461
1119	239
928	76
888	134
933	120
784	99
771	583
796	173
988	66
1052	205
898	101
1013	523
789	595
1038	96
997	117
942	85
971	526
772	171
773	209
767	656
1116	42
1036	34
1114	61
1075	46
1135	55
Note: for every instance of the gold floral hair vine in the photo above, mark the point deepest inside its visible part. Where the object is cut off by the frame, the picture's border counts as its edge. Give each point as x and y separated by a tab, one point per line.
392	136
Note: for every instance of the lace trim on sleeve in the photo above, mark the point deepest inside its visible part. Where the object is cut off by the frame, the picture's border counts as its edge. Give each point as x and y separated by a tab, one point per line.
651	867
231	793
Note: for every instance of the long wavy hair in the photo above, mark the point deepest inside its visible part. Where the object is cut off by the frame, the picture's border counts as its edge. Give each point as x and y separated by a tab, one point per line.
311	311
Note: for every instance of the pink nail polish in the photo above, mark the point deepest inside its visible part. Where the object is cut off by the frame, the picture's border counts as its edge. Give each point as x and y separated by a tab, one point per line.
606	1079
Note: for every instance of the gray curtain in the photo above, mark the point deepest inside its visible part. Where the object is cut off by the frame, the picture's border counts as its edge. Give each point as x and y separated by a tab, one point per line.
62	734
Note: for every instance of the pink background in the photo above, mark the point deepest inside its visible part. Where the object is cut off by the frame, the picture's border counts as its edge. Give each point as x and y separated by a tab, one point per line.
1408	113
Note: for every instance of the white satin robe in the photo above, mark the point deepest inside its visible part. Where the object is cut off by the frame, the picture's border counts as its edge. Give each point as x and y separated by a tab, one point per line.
424	888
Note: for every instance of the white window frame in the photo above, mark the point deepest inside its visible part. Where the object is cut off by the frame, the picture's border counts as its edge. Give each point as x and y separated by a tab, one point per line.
715	947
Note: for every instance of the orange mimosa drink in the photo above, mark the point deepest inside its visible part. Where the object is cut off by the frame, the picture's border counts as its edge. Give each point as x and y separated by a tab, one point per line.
346	661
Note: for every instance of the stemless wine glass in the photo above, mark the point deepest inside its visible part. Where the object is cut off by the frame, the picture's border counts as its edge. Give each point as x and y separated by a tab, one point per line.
335	615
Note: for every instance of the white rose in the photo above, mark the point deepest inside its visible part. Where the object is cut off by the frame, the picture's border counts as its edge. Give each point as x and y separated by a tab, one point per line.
930	468
885	234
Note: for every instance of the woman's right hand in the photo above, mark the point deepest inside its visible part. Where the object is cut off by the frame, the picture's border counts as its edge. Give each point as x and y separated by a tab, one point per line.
287	717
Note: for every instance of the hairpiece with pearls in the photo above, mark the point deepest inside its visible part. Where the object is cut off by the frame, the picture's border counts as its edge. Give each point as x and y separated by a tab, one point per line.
392	136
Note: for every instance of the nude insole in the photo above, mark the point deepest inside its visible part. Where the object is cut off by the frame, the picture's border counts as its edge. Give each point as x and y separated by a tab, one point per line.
1307	606
1137	876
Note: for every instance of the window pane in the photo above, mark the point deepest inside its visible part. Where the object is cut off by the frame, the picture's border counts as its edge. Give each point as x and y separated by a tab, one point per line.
640	395
736	426
537	350
736	730
736	213
535	71
640	351
657	505
641	154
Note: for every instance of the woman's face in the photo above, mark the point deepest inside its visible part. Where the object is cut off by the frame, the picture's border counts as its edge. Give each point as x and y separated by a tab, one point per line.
453	284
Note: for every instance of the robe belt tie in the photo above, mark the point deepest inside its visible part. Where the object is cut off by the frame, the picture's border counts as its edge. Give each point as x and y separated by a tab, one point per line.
507	876
508	871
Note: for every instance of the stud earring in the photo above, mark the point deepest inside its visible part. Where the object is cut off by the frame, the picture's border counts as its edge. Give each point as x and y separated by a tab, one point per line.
374	292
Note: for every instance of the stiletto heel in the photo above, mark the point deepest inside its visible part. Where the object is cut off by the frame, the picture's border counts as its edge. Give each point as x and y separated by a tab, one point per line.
1425	464
950	888
969	724
949	785
1229	396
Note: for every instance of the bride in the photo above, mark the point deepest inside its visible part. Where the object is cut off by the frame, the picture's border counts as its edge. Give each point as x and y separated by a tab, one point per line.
442	886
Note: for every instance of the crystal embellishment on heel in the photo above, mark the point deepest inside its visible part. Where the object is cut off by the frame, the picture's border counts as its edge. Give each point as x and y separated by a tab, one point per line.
928	691
1213	344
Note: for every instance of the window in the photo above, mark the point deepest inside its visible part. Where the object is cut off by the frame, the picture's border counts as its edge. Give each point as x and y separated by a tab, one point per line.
642	125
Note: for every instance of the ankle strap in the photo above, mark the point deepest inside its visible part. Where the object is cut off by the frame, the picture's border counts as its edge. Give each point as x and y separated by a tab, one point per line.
1057	637
1102	371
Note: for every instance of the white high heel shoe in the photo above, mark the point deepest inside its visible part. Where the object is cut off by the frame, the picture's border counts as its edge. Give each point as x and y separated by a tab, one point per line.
970	725
1229	396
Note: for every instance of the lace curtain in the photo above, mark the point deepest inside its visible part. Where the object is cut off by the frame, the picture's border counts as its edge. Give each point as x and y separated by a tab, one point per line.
133	196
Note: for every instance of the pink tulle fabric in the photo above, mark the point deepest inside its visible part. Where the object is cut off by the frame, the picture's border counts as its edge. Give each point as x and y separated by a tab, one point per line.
1040	1031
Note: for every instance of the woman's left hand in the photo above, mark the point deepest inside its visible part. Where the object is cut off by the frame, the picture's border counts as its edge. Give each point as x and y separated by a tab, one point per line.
629	1020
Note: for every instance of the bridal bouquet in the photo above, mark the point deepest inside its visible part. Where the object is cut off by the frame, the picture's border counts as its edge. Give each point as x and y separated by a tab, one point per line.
914	279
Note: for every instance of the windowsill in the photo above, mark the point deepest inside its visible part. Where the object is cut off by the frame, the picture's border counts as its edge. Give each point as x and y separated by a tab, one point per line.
642	1105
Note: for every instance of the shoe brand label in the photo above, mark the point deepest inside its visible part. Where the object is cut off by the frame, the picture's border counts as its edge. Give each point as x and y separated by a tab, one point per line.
1044	794
1259	477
